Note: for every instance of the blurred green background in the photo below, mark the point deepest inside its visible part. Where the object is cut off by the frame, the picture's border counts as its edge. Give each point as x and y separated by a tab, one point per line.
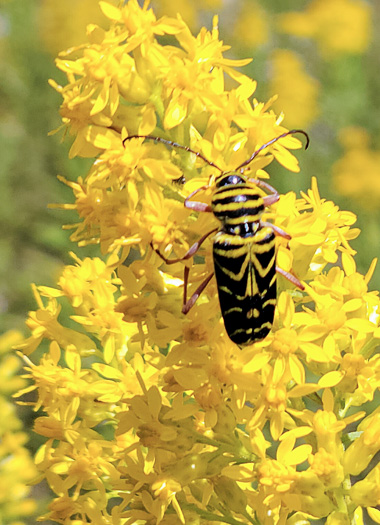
321	57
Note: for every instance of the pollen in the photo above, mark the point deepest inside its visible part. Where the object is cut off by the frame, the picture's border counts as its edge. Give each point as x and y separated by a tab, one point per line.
352	364
285	341
333	317
323	464
277	476
276	398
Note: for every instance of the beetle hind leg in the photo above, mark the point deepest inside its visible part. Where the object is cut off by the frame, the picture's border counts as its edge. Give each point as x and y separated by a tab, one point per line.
290	277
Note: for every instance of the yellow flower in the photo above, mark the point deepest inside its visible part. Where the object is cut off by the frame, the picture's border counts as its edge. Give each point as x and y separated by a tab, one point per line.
366	493
44	324
327	468
17	469
281	486
359	454
338	26
358	158
157	414
59	29
252	28
297	91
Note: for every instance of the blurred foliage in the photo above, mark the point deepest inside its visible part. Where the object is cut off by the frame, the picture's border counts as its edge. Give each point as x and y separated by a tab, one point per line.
33	245
17	466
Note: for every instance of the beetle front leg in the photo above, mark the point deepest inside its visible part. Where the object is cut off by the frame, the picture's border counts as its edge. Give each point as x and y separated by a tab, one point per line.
195	205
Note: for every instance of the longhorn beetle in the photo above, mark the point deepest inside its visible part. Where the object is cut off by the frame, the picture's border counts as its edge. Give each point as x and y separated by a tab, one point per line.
244	249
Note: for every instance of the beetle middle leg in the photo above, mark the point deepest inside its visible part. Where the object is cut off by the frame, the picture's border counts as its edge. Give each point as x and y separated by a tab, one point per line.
273	195
289	276
188	304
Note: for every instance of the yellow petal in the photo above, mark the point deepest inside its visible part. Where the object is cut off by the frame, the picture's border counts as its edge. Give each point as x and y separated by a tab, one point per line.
190	378
352	305
102	99
374	514
107	371
348	263
311	333
102	138
299	455
361	325
110	11
148	122
154	401
286	159
296	369
286	309
330	379
371	269
175	112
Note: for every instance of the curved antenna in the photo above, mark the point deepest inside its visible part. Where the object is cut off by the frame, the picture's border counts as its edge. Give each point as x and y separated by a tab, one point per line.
255	153
174	145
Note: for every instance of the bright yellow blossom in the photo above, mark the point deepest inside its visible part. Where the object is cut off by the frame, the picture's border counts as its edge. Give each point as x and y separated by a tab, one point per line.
281	486
251	28
358	157
59	29
190	11
17	469
297	91
338	26
151	416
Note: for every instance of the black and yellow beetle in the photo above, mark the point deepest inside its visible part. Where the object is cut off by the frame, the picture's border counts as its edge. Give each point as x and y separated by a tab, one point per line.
244	248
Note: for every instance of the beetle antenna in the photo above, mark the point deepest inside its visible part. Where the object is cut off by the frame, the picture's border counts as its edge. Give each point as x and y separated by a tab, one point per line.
174	145
291	132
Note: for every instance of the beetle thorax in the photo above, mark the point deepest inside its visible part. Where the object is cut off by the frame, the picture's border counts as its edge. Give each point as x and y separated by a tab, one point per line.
235	202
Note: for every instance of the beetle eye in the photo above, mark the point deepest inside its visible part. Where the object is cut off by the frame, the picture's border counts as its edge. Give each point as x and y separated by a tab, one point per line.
229	179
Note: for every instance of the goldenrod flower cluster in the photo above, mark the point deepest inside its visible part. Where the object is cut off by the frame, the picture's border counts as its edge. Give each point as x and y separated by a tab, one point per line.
338	27
297	91
154	417
358	157
58	28
16	465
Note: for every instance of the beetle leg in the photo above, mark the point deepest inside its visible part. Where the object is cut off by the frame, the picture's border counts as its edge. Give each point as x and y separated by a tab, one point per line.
273	196
190	252
265	185
290	277
190	303
277	230
270	142
195	205
270	199
185	284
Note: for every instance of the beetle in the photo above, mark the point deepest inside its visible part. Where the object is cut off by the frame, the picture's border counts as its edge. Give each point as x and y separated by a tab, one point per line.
244	250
